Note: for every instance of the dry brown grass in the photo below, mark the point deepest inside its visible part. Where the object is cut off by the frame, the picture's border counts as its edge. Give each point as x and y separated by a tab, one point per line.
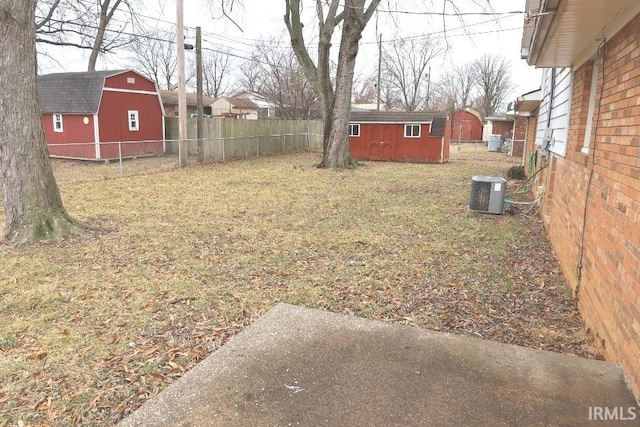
69	171
92	327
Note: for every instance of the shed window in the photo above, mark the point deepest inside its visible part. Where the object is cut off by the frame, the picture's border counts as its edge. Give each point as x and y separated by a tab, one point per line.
57	123
134	123
354	129
411	131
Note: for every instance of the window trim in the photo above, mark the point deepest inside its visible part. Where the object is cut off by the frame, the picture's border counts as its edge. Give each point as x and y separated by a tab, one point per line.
412	126
136	120
352	128
55	122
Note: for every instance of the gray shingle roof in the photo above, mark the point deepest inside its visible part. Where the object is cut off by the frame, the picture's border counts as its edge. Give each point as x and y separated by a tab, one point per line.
437	119
170	97
73	93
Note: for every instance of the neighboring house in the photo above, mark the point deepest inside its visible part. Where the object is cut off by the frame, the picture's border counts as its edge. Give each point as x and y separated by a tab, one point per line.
525	123
518	136
170	103
235	108
267	108
497	126
84	114
467	125
586	140
399	136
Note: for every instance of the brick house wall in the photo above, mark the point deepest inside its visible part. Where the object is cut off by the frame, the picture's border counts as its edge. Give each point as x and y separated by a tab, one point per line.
519	134
502	127
591	206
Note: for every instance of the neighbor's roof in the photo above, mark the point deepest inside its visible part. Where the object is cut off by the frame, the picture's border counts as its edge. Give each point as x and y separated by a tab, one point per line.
499	119
75	93
170	97
242	103
261	101
437	119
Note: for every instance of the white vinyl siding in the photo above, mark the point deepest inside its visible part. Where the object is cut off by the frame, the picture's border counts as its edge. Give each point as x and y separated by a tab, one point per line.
592	105
556	118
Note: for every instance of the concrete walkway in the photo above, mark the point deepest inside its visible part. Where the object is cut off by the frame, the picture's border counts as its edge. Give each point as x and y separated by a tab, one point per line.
303	367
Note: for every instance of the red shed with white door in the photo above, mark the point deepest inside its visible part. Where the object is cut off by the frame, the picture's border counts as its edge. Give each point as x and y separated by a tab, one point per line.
101	114
407	136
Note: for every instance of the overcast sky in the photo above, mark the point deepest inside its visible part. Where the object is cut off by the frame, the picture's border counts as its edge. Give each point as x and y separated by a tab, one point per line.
263	19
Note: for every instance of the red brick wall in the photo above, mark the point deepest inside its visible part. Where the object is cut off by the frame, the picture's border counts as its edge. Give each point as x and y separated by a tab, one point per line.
607	280
520	128
502	127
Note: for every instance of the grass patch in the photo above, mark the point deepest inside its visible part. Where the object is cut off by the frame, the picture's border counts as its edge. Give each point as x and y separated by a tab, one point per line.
185	259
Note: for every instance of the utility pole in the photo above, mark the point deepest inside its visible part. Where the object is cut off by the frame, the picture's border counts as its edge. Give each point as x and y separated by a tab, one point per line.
379	68
182	89
200	119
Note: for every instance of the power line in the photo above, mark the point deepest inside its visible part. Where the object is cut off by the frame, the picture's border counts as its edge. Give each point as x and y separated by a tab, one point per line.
445	32
457	14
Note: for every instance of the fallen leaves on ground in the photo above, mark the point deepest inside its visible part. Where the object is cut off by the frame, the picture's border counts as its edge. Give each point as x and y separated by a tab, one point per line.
181	261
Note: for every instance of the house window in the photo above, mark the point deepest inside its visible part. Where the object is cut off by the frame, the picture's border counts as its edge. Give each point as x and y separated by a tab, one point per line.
592	107
134	123
354	130
412	131
131	80
57	123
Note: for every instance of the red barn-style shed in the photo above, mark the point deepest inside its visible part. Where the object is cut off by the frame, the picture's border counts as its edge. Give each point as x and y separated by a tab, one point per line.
467	125
407	136
85	115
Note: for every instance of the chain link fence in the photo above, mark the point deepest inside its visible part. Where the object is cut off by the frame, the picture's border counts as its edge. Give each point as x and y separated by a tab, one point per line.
207	150
84	162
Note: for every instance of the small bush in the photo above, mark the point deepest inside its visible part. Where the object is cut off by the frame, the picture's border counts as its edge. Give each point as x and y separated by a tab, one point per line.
516	172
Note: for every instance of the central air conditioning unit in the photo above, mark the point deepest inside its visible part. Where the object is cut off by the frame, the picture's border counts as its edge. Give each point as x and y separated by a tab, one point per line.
495	143
487	194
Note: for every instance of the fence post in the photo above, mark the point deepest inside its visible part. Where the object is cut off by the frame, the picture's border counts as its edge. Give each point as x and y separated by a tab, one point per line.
223	148
257	146
120	157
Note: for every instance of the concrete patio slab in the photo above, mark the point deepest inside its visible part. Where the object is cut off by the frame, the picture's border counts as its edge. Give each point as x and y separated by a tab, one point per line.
303	367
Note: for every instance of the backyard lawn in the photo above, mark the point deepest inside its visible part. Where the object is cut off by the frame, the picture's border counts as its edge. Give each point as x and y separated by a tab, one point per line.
180	261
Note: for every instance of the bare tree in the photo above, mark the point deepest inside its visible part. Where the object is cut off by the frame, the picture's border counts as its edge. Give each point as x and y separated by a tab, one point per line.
364	89
455	90
493	81
282	80
251	77
30	195
405	63
155	57
216	70
336	102
91	26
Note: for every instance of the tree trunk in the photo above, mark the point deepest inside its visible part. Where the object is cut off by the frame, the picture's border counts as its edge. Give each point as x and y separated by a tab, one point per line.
30	195
336	153
336	104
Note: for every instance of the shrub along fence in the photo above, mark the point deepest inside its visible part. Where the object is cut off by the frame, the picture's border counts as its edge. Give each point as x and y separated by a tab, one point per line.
225	139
